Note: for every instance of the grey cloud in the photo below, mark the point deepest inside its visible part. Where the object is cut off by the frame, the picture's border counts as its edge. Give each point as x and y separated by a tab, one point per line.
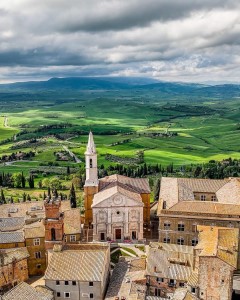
90	37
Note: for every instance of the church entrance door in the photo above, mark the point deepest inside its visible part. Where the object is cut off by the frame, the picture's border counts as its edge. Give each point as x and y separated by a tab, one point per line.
118	234
102	236
134	235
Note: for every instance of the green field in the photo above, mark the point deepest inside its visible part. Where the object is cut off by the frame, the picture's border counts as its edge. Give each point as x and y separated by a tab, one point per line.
123	123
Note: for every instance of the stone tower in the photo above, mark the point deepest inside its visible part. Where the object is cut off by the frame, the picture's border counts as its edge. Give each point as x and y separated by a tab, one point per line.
91	183
54	224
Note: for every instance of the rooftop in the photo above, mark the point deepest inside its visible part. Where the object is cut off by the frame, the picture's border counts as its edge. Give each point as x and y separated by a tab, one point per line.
11	237
11	224
206	207
78	262
9	255
116	189
34	230
174	190
26	209
139	185
219	242
170	261
24	291
128	279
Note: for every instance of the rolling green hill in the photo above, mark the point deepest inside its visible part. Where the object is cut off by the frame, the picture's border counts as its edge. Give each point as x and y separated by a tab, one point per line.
171	122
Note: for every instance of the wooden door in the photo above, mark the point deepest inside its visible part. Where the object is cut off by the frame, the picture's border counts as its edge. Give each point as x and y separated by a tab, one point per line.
118	234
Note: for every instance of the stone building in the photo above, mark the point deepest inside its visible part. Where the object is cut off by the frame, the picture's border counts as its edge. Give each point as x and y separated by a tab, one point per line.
186	203
12	239
216	258
13	267
78	271
128	280
168	267
117	214
22	225
35	242
126	201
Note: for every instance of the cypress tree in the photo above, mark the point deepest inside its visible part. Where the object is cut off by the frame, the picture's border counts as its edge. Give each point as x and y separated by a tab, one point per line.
2	198
72	197
23	179
157	190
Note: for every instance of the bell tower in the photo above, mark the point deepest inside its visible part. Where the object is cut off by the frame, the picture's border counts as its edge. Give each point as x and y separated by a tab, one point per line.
54	225
91	183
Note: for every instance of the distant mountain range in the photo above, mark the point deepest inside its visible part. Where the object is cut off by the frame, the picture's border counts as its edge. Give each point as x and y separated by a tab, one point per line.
124	83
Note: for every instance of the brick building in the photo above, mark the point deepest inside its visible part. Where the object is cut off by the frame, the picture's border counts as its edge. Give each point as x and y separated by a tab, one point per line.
13	267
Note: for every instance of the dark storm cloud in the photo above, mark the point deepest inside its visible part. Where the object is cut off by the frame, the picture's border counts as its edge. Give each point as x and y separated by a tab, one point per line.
166	39
120	15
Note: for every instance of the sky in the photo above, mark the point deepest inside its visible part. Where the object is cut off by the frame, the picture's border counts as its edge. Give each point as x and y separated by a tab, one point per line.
170	40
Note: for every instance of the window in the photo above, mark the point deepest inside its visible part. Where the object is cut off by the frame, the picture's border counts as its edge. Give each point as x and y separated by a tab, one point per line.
180	227
90	163
164	205
193	290
166	240
91	295
194	227
36	242
90	283
171	282
159	279
66	295
180	241
38	266
72	238
167	225
58	294
53	234
57	282
213	198
181	284
194	242
203	197
37	254
74	283
157	292
66	282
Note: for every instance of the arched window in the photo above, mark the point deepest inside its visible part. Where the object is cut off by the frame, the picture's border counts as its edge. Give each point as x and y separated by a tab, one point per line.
53	234
90	163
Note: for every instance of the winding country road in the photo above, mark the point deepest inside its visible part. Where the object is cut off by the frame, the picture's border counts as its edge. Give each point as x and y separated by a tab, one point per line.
77	160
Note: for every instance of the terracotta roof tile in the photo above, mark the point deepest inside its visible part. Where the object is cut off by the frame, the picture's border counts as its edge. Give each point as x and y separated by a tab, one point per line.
106	193
140	185
206	207
11	237
8	255
81	265
24	291
34	230
219	242
11	224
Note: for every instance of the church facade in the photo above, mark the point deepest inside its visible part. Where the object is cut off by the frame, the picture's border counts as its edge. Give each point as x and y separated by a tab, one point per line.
116	206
